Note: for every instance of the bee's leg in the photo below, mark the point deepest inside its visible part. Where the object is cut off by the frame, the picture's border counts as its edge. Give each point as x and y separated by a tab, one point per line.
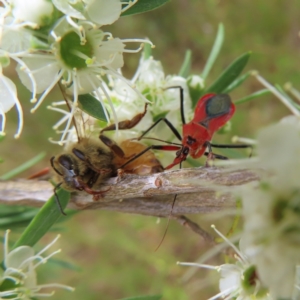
57	199
79	154
96	193
93	177
127	124
112	146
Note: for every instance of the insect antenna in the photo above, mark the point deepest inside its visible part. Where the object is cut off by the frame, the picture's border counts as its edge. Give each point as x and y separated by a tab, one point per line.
169	218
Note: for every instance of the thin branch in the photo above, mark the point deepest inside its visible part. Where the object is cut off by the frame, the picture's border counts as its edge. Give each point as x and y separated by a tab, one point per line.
184	221
199	190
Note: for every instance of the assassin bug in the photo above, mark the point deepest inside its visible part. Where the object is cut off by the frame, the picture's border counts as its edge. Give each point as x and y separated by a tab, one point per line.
211	113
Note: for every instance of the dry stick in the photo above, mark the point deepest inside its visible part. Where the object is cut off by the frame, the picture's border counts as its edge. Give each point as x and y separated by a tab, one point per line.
184	221
200	190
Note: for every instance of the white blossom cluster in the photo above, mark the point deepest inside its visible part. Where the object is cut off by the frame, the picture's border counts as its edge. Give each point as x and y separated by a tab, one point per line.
271	235
62	42
19	278
267	262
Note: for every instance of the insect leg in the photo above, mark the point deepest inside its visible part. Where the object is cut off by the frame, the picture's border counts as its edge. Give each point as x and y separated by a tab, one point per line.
230	146
242	146
127	124
181	101
168	123
218	156
152	147
57	199
95	193
112	145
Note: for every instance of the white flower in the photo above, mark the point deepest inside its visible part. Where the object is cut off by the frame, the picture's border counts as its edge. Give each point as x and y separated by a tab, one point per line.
70	50
163	93
9	98
100	12
20	265
39	12
238	280
271	236
196	82
79	66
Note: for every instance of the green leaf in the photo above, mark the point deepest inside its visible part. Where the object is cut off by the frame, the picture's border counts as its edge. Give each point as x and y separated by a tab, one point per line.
147	52
214	51
92	106
186	65
229	75
237	82
252	96
23	167
1	137
153	297
66	265
143	6
18	220
42	222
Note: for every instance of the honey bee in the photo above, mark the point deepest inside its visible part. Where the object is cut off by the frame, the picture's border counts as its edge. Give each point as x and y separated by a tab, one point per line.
84	165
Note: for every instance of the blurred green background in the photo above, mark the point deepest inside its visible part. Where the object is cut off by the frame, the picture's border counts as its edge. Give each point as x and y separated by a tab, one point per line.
114	251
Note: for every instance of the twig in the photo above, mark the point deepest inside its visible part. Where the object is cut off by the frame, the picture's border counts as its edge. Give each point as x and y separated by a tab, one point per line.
184	221
199	190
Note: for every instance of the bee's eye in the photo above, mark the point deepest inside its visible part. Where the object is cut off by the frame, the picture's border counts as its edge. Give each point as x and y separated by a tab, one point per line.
79	154
66	162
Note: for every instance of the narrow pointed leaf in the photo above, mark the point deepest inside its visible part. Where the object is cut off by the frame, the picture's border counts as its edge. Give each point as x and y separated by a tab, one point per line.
65	264
186	65
43	221
92	107
214	51
18	220
143	6
23	167
252	96
229	75
237	82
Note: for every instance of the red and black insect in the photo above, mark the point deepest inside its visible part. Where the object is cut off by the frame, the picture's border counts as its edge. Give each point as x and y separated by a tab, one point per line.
211	113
